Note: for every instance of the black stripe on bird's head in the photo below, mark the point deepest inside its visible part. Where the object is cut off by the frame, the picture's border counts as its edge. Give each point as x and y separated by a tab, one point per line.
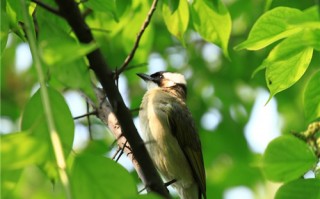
166	80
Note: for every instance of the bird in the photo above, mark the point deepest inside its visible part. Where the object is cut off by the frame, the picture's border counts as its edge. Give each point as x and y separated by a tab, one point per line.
170	135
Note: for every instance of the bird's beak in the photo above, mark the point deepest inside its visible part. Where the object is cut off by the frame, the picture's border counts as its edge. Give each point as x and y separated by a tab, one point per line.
145	77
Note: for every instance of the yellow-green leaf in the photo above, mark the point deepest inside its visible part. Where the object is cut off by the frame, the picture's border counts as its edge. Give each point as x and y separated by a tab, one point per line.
287	158
312	98
109	178
270	27
213	22
287	62
300	189
19	150
177	21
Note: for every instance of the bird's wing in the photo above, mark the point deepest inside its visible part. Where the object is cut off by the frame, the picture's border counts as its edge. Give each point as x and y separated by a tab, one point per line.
183	128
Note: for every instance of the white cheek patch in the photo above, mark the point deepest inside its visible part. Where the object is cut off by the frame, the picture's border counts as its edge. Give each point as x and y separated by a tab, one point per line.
151	85
169	83
174	78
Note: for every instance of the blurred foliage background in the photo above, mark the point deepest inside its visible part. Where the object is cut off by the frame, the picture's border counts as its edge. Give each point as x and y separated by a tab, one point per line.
221	90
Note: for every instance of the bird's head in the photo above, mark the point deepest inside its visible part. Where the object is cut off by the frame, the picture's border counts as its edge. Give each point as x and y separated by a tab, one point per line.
172	82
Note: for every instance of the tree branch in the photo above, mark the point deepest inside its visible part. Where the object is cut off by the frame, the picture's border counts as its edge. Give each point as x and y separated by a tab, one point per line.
105	114
148	174
136	44
47	7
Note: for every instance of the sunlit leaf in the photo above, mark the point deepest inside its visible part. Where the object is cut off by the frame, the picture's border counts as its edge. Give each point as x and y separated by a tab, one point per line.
34	120
300	189
307	19
103	6
122	6
270	27
287	62
149	196
130	31
4	30
287	158
177	21
312	98
58	48
65	58
14	14
213	22
21	149
110	179
8	181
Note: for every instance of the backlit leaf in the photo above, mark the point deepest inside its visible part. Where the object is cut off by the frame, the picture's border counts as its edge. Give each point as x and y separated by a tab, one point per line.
312	98
300	189
19	150
287	158
110	179
213	22
287	62
103	6
34	120
177	21
270	27
65	58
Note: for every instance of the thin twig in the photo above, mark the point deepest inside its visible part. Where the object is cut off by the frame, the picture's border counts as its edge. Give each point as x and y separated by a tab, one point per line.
89	122
136	44
47	7
165	184
85	115
170	182
116	153
122	150
136	66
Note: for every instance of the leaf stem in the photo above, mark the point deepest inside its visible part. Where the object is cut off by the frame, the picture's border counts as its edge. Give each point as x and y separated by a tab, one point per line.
55	139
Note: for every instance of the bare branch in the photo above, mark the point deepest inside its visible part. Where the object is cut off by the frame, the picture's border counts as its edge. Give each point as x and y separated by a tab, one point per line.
136	44
85	115
47	7
105	114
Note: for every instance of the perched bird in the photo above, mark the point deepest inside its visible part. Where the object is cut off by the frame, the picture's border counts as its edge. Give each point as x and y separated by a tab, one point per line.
170	135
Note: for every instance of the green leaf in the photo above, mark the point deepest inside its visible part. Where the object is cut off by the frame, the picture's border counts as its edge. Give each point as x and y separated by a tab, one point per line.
307	19
14	14
58	48
287	158
213	22
270	27
130	31
177	21
65	58
103	6
34	121
287	62
122	6
300	189
19	150
149	196
8	181
312	98
4	30
110	179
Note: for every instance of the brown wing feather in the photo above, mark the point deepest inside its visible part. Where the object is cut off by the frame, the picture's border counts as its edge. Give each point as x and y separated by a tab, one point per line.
187	137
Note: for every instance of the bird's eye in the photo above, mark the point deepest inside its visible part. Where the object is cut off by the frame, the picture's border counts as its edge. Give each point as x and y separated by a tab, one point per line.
160	76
